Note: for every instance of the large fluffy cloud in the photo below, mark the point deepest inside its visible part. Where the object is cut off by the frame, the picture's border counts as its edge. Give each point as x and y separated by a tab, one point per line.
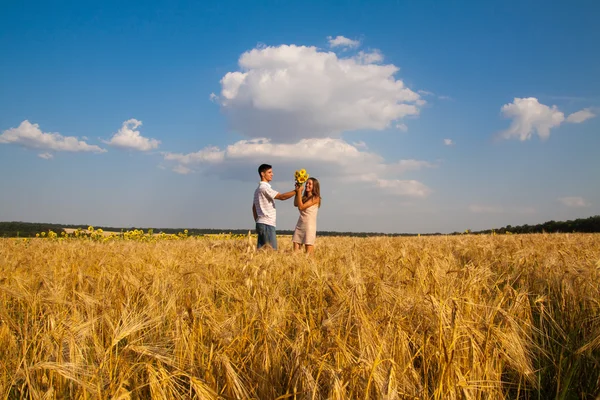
529	116
291	92
31	136
330	157
129	138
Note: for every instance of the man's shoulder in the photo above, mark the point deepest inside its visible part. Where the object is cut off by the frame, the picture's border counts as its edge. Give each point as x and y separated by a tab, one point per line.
264	186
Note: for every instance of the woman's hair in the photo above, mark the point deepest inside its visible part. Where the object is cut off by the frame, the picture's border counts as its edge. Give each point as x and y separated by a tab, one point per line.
316	190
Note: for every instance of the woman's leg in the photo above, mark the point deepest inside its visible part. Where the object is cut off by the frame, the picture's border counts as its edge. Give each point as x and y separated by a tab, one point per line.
309	248
296	246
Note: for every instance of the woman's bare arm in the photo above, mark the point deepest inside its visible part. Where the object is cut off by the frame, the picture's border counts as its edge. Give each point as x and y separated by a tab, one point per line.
304	205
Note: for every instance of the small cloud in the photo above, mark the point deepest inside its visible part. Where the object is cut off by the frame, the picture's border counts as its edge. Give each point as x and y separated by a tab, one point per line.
573	201
580	116
442	97
528	116
46	156
180	169
402	127
31	136
341	41
360	145
425	93
369	58
449	142
128	138
214	98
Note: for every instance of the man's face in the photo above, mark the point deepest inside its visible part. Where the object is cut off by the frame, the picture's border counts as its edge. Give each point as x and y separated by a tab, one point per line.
267	175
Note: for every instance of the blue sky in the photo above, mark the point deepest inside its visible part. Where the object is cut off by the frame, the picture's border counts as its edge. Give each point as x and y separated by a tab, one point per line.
415	116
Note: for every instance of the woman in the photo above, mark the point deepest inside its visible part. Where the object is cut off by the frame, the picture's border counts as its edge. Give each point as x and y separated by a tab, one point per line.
308	205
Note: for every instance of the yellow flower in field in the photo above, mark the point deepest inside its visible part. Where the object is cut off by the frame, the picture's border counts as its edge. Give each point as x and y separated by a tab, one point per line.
185	231
90	228
62	233
37	235
43	234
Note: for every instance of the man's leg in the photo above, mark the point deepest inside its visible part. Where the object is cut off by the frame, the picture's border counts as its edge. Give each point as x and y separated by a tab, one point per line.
271	236
261	232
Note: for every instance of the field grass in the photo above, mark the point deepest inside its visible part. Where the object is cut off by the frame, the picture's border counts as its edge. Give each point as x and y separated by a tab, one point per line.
462	317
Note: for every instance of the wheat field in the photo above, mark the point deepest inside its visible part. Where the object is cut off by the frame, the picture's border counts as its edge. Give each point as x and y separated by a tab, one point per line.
446	317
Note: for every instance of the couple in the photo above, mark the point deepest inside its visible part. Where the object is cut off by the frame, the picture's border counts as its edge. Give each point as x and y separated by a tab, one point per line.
263	209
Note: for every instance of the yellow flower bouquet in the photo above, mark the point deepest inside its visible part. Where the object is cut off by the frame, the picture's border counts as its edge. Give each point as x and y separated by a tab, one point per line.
301	176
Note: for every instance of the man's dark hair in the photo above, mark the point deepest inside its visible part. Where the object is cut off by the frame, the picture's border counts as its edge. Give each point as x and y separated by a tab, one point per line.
263	168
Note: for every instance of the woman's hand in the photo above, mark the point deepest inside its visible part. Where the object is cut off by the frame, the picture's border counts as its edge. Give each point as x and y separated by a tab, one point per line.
298	187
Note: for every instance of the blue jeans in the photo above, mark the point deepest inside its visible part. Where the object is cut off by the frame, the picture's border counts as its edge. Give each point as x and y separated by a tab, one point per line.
266	235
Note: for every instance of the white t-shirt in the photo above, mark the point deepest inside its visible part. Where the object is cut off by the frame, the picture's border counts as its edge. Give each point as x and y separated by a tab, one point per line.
264	202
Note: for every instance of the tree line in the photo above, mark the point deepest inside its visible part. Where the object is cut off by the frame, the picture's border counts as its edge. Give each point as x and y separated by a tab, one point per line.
29	229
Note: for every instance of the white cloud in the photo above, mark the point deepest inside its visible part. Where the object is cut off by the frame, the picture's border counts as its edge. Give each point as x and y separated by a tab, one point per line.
341	41
373	57
580	116
208	155
402	127
360	145
30	135
181	169
322	156
291	92
573	201
46	156
128	138
529	115
449	142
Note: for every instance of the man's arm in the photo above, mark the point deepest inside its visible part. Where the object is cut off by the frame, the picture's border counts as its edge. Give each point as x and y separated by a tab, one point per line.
254	212
286	195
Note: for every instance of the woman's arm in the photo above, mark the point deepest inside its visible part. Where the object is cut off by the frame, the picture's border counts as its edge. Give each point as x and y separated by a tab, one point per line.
298	194
304	205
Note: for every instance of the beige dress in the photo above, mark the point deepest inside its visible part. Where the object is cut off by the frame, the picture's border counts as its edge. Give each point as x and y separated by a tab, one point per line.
306	228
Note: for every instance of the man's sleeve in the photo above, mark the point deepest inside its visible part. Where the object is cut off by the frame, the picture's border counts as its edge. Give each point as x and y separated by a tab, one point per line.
271	193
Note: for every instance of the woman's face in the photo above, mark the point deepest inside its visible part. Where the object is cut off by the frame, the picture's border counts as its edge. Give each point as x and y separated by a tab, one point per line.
309	185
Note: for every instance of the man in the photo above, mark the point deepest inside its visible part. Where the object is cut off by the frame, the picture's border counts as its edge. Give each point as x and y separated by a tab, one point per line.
263	207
